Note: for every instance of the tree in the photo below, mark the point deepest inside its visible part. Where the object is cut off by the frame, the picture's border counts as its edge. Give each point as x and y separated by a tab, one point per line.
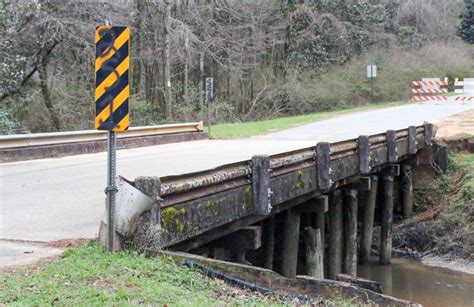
466	29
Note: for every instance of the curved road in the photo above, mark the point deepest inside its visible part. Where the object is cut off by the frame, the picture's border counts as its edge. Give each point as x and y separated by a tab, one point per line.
63	198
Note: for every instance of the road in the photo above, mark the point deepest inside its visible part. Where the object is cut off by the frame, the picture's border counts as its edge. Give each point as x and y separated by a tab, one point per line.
63	198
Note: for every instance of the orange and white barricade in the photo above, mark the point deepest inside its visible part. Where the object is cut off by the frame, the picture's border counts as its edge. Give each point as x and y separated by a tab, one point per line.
464	90
430	89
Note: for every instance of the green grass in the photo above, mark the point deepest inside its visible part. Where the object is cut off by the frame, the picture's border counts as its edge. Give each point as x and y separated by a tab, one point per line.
89	276
464	163
247	129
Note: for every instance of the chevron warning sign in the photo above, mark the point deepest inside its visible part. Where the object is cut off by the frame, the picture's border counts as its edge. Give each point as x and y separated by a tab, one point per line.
112	61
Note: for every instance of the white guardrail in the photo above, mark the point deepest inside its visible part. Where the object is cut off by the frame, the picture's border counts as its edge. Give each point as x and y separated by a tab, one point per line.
53	138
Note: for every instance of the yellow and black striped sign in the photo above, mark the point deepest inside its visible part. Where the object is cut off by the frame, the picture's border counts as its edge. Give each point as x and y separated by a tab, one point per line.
112	90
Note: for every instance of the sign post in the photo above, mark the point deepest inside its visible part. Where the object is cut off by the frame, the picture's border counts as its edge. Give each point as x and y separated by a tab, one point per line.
209	99
111	103
371	73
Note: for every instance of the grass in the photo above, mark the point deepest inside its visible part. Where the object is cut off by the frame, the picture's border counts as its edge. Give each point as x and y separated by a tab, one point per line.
464	163
248	129
89	276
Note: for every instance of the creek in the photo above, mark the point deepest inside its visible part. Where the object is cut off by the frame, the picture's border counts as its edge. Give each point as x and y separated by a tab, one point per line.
415	281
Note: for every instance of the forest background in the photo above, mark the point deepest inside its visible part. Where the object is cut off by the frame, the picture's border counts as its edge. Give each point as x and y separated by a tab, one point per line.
268	58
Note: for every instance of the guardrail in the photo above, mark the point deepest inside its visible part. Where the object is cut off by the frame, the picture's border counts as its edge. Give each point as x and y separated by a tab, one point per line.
55	138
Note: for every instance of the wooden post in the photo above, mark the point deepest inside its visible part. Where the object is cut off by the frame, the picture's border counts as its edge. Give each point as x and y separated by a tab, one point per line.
291	228
387	219
240	256
368	221
407	190
314	252
269	241
335	234
350	233
322	208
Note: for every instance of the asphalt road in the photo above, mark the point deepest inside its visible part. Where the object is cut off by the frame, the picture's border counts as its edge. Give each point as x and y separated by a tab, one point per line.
63	198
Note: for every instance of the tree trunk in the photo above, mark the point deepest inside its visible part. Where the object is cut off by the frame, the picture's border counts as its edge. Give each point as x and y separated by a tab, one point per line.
43	75
186	70
167	75
201	81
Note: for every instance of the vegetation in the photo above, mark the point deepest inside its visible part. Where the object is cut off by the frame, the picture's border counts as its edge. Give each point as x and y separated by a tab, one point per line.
88	276
269	58
466	29
449	209
247	129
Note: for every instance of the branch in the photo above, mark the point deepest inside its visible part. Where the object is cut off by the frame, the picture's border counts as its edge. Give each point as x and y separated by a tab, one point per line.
29	75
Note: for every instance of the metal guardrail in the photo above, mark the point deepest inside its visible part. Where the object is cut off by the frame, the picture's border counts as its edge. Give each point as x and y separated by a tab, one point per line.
53	138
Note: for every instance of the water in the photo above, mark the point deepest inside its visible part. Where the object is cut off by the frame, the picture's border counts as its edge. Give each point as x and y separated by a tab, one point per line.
429	286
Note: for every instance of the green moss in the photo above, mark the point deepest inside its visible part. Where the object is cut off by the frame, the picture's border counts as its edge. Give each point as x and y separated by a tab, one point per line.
179	225
299	185
249	193
169	216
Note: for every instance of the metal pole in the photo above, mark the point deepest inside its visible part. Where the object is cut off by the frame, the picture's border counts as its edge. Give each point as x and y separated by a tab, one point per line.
209	117
372	88
372	83
111	189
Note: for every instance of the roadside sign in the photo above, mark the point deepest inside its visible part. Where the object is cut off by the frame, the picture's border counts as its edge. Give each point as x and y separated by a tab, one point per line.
112	90
112	62
371	71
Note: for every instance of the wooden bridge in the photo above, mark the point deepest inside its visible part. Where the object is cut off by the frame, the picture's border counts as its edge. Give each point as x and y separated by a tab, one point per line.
233	207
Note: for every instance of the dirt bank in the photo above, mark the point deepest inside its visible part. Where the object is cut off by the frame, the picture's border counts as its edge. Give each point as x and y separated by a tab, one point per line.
441	232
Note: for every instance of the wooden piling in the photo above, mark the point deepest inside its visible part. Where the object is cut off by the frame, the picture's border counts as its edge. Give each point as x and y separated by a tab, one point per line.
322	208
314	253
335	234
368	221
350	232
387	220
269	241
407	190
291	229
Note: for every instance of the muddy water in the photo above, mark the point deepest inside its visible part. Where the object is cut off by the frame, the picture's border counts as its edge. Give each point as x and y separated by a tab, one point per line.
430	286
